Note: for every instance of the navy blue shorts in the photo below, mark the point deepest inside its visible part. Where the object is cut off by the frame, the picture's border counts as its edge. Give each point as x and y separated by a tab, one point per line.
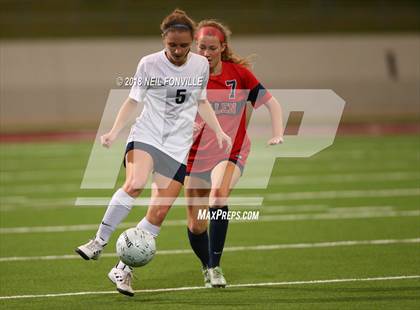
162	163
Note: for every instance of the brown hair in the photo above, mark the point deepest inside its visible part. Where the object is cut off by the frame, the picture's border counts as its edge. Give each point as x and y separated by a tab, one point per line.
177	20
227	55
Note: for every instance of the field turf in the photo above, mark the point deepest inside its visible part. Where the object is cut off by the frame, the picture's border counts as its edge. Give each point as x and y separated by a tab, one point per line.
339	230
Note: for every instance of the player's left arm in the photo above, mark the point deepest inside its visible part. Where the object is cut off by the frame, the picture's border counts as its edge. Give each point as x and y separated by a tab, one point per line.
258	96
276	116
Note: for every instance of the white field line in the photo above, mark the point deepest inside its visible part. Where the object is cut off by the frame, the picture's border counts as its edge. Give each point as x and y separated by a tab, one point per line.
392	192
180	201
335	216
41	188
363	209
320	208
234	249
284	179
24	200
258	155
254	201
60	148
11	202
345	178
190	288
295	208
262	218
69	153
27	176
17	203
302	167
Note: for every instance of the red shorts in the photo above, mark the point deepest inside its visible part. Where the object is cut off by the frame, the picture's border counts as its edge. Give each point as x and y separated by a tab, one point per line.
199	164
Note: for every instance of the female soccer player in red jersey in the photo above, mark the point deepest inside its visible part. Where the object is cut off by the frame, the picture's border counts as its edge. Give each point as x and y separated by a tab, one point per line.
211	173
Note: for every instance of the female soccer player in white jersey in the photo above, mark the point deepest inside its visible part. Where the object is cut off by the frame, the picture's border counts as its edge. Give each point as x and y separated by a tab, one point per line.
172	85
212	173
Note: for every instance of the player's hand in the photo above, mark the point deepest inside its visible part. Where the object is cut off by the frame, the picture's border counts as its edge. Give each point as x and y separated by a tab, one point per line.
222	137
107	139
197	126
275	140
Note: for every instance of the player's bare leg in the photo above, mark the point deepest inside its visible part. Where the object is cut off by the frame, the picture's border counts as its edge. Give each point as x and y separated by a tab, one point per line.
197	192
224	177
139	165
164	193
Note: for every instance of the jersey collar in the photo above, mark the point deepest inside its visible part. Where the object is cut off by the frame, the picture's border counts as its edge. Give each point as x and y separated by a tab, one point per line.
171	65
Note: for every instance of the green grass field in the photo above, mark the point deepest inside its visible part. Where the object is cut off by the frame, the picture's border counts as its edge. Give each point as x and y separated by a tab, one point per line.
296	256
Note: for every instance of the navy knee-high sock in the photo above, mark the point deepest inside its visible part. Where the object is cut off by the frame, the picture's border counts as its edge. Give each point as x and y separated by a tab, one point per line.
200	245
218	230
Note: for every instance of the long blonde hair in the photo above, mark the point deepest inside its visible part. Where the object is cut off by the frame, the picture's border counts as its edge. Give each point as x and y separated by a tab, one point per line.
228	54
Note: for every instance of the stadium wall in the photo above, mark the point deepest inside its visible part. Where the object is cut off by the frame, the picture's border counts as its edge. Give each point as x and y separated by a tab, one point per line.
64	84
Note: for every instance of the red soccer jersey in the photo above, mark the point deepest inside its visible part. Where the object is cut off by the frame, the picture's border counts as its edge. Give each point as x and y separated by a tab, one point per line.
228	93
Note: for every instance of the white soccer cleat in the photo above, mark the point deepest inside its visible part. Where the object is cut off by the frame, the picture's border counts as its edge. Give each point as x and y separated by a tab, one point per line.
90	250
206	276
217	278
122	279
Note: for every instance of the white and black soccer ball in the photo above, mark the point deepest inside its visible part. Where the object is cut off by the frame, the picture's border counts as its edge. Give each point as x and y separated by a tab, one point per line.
136	247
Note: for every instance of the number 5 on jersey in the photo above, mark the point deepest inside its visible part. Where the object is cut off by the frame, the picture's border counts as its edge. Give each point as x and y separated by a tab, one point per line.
180	96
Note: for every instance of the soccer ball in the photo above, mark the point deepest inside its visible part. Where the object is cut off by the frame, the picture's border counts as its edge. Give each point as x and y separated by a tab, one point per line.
136	247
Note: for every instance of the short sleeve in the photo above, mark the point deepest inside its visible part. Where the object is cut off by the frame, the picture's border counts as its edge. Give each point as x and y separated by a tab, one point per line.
138	90
258	95
203	91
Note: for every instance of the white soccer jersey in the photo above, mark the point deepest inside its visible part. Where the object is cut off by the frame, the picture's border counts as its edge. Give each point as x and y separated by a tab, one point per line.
170	95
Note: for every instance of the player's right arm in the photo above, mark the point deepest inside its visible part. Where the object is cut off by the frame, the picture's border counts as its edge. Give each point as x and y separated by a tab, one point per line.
207	114
124	115
129	106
